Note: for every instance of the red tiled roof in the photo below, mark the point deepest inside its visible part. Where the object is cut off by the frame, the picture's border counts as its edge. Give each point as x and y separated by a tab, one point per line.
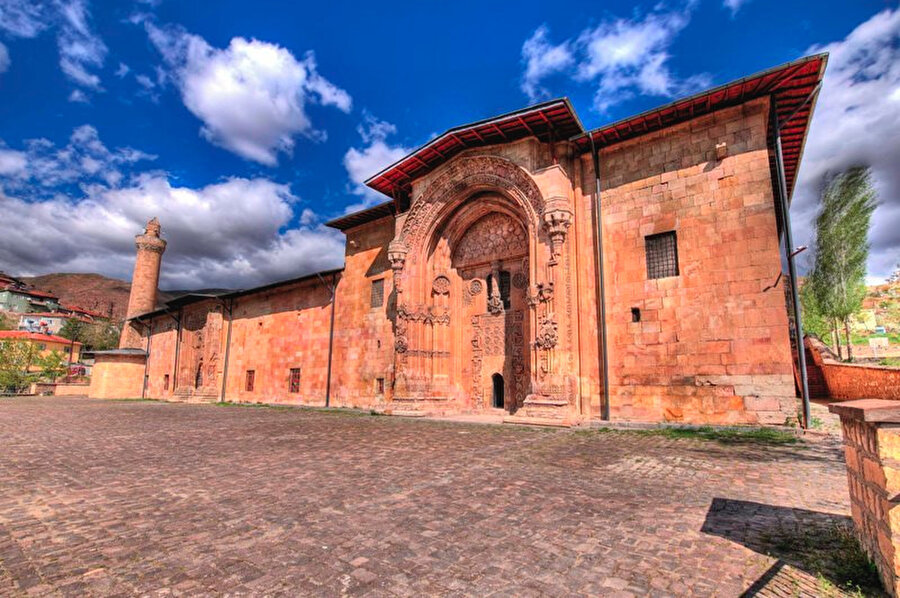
34	336
553	120
37	293
789	86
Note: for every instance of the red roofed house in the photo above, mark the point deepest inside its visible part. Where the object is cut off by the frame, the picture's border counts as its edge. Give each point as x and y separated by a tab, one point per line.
46	344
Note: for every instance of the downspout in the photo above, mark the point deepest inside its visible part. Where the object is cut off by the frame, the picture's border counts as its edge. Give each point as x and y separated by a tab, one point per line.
147	361
788	248
177	351
602	345
177	346
333	289
230	309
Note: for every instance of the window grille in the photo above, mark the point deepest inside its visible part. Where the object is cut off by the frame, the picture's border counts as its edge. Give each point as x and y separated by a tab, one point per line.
504	288
295	380
662	255
251	380
378	292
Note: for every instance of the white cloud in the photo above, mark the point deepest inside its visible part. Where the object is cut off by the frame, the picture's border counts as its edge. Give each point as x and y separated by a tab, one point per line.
251	96
4	58
622	57
23	18
77	208
80	49
78	96
362	163
122	70
542	59
857	121
733	5
230	234
12	163
42	167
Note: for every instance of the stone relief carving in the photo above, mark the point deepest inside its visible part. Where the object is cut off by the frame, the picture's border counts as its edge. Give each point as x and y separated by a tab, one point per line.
475	287
547	335
462	175
422	313
494	236
441	285
520	280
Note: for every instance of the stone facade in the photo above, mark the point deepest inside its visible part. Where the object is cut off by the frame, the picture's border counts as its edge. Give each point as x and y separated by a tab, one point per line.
476	290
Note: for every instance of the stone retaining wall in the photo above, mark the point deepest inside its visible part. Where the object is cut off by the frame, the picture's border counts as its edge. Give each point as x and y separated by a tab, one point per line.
847	381
871	430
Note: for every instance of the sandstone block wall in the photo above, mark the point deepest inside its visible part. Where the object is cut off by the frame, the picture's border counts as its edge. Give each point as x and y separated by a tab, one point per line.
848	381
711	346
363	337
872	456
117	377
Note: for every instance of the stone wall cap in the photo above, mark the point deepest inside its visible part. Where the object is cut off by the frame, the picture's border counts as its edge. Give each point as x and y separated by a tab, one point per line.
868	410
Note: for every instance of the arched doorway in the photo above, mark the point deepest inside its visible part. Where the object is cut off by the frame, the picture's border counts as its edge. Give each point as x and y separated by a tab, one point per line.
497	400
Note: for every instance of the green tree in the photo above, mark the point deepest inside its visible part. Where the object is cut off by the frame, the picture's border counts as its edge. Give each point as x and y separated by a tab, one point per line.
842	246
16	361
813	321
102	336
74	330
7	322
52	366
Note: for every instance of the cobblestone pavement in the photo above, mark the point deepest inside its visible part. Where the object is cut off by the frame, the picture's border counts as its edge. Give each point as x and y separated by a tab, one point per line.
126	498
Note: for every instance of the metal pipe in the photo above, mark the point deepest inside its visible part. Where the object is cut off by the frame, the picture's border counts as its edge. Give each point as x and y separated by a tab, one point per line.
227	347
332	289
603	347
792	269
177	347
147	361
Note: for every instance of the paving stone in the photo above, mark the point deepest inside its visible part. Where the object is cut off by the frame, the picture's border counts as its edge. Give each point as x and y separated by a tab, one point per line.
139	498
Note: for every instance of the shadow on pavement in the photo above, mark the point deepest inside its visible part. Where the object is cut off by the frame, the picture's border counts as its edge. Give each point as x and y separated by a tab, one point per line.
820	544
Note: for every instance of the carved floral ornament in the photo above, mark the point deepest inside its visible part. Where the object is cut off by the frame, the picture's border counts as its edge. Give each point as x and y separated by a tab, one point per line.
465	175
547	335
397	251
441	285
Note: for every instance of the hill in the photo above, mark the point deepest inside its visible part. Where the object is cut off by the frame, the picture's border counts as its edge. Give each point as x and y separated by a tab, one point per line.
108	296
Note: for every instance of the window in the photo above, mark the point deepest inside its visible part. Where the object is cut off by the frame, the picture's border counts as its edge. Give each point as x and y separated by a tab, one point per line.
251	379
662	255
166	382
295	380
378	292
379	386
635	314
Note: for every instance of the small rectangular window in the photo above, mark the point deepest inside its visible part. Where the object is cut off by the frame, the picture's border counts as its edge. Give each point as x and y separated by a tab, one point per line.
504	288
165	382
662	255
378	292
295	380
251	380
635	314
379	386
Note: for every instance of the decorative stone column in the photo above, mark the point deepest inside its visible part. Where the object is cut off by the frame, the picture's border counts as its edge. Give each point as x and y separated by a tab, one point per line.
871	431
557	219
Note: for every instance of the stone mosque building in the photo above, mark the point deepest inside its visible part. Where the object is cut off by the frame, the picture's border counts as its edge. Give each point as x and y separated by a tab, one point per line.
526	267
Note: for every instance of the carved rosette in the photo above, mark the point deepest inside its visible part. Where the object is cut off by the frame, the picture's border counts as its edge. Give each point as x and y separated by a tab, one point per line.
557	218
441	285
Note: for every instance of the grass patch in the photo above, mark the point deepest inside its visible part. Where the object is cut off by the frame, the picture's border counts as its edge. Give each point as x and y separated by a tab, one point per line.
833	554
731	435
893	362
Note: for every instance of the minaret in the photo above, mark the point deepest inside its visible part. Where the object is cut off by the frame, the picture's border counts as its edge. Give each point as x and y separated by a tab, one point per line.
144	282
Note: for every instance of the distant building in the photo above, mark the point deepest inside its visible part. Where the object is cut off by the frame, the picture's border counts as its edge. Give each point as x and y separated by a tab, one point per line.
46	343
18	297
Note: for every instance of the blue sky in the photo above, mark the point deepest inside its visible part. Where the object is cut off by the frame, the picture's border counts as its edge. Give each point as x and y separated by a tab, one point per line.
244	126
